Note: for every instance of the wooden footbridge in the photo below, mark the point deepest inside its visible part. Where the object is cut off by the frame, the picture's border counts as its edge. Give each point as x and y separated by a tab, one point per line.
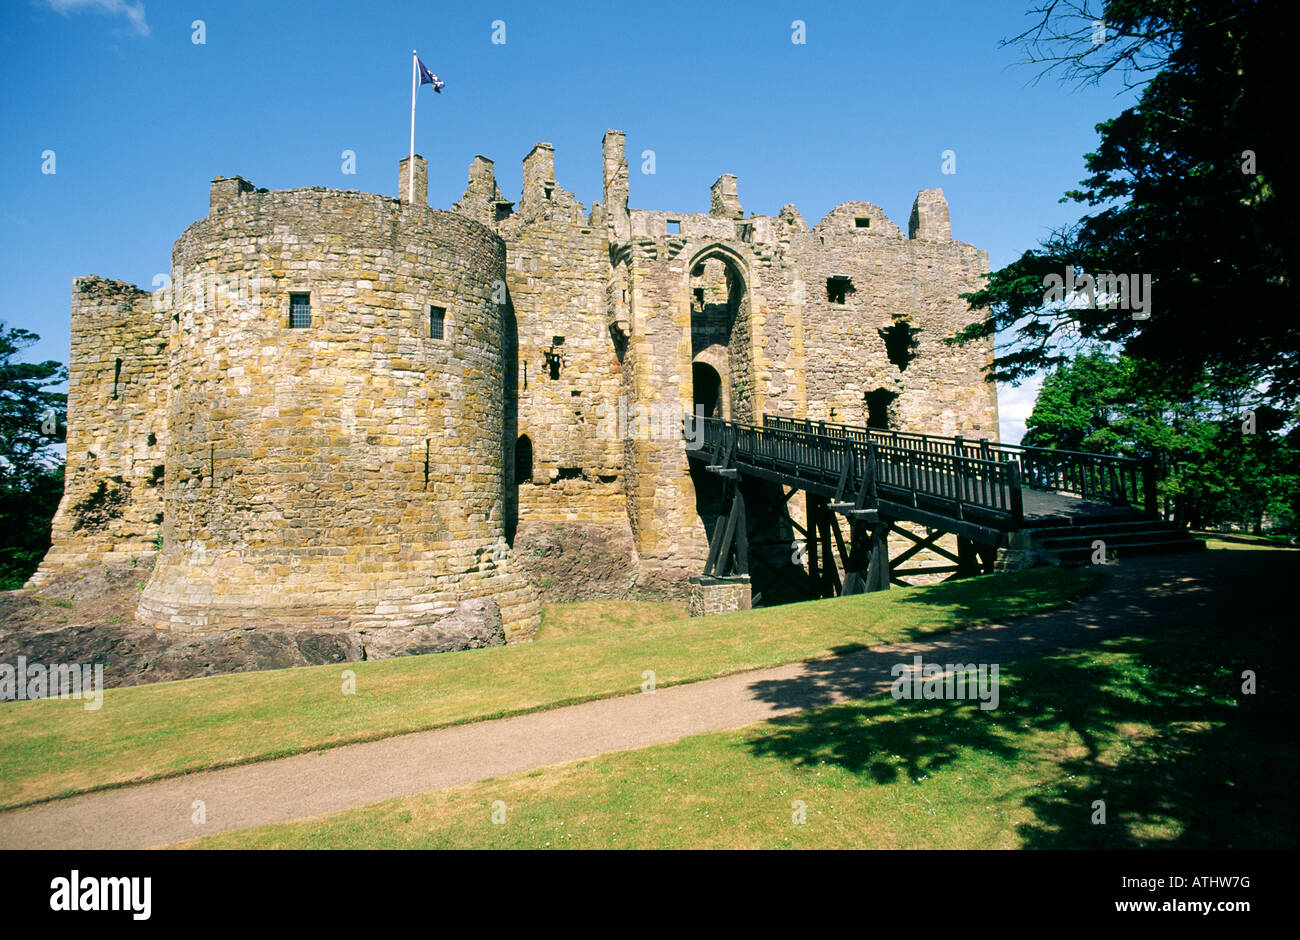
1039	504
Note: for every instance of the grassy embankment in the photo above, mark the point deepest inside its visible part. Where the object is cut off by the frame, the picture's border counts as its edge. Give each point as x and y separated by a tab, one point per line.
53	748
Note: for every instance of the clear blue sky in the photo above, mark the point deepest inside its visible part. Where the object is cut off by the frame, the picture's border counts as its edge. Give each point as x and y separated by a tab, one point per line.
140	118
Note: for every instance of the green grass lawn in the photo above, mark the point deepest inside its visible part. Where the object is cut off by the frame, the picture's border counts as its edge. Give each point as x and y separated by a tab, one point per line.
52	748
1157	727
572	619
1239	545
1272	540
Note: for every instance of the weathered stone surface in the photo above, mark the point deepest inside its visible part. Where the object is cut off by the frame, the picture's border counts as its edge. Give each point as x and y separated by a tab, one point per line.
135	655
641	301
475	624
363	474
576	561
82	617
342	475
706	596
112	505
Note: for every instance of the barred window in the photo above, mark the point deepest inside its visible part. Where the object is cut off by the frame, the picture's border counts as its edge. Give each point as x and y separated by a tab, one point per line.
437	322
299	311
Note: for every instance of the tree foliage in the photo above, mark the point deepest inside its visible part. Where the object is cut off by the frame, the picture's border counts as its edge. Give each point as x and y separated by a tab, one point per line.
1226	456
1191	185
31	471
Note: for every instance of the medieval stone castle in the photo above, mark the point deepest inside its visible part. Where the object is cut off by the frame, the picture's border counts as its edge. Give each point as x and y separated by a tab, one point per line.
343	406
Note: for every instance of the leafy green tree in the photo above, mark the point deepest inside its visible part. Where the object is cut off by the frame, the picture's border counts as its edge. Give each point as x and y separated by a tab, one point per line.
1189	186
31	471
1225	455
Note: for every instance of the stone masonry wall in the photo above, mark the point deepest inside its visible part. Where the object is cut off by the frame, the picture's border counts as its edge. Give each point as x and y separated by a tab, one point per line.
567	381
346	474
112	502
892	280
295	459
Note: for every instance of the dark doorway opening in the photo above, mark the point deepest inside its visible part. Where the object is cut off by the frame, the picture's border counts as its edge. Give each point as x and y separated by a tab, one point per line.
523	460
880	408
708	390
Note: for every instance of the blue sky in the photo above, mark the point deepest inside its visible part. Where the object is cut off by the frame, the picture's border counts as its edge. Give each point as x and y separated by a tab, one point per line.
140	117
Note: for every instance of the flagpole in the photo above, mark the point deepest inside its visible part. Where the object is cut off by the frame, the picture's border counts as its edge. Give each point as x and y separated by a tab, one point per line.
410	183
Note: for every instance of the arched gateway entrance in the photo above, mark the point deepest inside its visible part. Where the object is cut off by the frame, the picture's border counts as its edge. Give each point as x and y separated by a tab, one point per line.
721	345
722	375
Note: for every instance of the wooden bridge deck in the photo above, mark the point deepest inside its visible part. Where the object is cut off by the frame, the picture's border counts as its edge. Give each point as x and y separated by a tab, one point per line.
1048	508
981	491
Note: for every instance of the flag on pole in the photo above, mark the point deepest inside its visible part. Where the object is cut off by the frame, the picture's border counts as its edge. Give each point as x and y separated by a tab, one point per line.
420	75
428	78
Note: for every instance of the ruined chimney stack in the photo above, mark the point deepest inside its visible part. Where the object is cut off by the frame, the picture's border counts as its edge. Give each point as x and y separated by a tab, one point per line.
724	198
929	219
420	196
614	149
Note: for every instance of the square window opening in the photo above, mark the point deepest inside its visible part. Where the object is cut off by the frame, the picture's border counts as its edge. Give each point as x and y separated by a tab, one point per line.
838	289
674	227
861	222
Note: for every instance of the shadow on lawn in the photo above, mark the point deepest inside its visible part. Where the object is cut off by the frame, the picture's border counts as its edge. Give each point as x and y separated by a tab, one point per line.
1162	733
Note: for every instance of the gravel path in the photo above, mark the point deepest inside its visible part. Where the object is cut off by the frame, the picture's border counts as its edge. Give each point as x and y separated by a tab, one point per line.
1137	597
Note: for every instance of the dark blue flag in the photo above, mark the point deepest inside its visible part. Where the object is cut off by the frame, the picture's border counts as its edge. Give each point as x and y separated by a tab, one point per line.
428	78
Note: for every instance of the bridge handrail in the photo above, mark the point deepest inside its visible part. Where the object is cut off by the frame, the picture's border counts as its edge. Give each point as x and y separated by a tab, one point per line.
975	442
1107	477
959	482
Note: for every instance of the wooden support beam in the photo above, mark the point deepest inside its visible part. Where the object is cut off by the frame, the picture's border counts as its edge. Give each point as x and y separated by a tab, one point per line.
932	569
711	563
968	562
830	572
921	545
723	566
855	568
810	545
833	522
742	533
878	566
777	507
986	535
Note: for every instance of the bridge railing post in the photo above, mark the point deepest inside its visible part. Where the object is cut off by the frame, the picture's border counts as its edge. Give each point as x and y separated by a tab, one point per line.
870	471
1017	495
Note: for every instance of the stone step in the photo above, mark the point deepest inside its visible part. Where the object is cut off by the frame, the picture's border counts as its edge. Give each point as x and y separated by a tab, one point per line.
1087	528
1084	555
1111	538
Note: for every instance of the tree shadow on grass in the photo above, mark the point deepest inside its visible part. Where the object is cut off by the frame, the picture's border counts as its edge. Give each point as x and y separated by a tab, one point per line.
1161	732
996	598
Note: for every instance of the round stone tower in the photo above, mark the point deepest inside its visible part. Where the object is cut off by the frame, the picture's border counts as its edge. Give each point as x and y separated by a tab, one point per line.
336	410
